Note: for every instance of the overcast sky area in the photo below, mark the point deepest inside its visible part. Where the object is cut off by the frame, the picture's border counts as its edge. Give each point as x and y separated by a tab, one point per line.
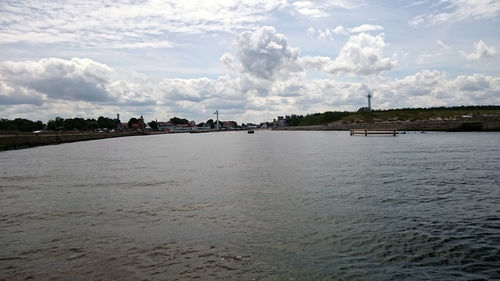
250	59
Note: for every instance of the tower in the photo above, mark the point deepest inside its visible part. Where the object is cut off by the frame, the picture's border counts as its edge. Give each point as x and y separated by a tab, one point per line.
217	115
369	96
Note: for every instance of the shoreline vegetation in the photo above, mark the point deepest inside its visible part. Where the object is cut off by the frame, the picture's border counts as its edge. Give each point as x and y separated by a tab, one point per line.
463	118
396	115
23	133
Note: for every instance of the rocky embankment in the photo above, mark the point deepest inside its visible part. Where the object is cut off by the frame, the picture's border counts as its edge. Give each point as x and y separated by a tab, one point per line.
30	140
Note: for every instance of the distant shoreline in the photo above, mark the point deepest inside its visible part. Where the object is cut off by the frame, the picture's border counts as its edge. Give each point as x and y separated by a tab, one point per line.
492	125
20	141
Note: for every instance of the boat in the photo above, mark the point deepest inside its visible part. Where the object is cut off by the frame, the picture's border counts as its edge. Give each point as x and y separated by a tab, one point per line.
250	131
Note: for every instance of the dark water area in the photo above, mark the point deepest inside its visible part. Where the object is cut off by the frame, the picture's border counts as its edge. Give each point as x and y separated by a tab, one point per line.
267	206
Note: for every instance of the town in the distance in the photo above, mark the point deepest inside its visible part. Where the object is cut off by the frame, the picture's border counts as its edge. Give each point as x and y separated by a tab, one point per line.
457	118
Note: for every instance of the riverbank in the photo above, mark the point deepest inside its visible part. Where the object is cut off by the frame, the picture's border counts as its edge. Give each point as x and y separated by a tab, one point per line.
492	124
30	140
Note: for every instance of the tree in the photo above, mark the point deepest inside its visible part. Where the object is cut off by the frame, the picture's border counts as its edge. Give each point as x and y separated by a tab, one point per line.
178	121
20	124
91	124
294	120
153	125
210	122
57	124
105	122
132	121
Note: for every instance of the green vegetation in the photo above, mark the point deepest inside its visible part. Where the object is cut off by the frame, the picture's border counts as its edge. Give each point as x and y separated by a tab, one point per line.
403	114
153	125
210	122
316	118
19	124
81	124
58	124
178	121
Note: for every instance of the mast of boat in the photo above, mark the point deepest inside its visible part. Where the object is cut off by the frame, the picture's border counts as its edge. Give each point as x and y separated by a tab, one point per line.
217	122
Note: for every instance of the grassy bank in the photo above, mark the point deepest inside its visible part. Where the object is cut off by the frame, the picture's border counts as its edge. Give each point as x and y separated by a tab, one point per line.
390	115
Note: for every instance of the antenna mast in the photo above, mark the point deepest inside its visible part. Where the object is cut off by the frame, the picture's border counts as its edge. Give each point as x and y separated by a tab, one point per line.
369	96
217	114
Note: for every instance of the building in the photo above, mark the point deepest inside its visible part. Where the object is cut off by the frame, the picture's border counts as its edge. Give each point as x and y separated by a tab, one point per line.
141	125
163	126
280	122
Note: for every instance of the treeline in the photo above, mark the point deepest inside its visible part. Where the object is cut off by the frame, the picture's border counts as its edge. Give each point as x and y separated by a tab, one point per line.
316	118
80	124
20	124
401	113
447	108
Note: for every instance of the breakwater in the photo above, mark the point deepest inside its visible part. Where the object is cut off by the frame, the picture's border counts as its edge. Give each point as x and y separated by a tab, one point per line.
418	125
30	140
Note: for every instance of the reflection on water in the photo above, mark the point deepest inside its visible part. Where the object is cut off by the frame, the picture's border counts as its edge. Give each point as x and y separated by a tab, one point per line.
268	206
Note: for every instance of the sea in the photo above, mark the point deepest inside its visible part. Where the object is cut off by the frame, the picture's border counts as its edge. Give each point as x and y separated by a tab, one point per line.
274	205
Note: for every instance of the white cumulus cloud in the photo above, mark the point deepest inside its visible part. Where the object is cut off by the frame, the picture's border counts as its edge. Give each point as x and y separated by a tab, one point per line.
361	55
264	54
366	28
481	50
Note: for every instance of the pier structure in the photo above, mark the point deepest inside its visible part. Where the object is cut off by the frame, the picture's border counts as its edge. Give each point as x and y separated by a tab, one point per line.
367	132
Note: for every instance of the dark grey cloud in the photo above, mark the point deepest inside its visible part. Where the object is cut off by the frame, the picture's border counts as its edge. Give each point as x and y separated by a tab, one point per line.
16	99
75	89
74	80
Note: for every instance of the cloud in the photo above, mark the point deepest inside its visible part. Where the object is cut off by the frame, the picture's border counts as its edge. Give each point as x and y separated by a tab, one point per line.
435	88
264	54
12	96
458	10
366	28
266	77
339	29
126	24
416	21
321	34
307	8
361	55
77	79
443	45
481	51
327	34
319	9
433	55
238	97
193	90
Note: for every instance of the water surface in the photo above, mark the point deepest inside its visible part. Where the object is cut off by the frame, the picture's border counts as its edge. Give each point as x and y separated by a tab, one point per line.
268	206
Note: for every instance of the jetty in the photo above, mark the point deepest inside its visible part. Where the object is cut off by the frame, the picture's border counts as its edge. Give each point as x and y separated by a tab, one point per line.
23	140
367	132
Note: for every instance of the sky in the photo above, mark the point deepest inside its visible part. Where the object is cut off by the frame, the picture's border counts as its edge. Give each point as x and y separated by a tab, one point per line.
250	59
